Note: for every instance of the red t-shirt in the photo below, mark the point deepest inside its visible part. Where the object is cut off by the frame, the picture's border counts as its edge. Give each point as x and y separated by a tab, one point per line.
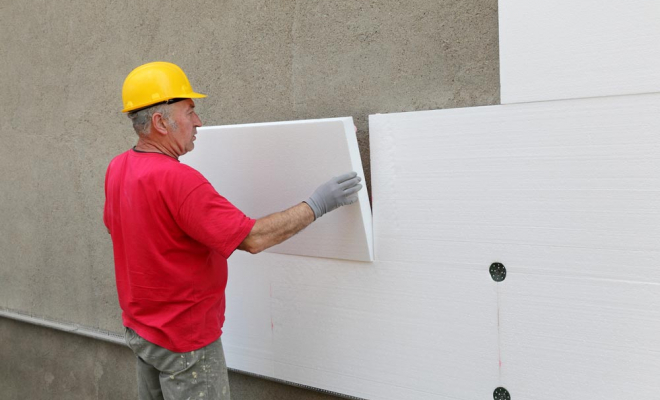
172	234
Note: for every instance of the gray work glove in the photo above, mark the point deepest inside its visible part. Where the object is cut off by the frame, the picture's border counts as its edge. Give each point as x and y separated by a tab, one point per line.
338	191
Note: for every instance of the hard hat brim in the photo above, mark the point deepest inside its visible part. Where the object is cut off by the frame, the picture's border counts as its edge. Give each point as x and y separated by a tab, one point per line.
193	95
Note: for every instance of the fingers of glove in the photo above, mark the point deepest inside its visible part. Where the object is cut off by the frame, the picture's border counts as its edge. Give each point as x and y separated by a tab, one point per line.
352	189
349	183
345	177
350	200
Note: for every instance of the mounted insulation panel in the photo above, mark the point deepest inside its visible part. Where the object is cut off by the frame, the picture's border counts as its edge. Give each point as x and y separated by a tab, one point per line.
565	195
268	167
564	49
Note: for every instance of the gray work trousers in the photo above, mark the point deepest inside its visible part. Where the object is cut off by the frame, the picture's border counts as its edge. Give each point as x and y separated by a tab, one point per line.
165	375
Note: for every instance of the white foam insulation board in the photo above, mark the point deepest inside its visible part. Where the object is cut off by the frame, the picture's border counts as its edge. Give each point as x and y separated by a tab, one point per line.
578	48
268	167
381	330
565	195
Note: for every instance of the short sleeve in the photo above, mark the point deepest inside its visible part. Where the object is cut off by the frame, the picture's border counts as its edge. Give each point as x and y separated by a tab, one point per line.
106	204
213	221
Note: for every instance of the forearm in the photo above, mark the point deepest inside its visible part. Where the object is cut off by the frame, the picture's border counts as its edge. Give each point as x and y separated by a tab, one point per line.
276	228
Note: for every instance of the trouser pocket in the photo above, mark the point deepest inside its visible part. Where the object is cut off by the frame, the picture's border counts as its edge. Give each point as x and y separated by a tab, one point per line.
127	336
164	360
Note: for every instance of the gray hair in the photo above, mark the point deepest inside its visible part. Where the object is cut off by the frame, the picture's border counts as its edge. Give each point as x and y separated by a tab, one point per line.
142	118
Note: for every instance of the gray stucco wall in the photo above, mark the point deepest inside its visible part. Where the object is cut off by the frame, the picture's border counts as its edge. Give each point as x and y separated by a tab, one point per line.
42	363
63	65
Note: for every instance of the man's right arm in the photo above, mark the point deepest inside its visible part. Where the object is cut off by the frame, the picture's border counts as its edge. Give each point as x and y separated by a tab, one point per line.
278	227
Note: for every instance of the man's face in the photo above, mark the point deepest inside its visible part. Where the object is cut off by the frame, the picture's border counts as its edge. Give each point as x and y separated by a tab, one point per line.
184	128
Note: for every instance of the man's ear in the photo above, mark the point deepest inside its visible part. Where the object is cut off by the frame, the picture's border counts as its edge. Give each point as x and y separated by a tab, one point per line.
158	123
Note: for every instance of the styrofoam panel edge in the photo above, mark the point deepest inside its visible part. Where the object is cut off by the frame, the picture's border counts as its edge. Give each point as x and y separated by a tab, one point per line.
504	82
509	96
517	99
275	123
381	119
300	385
363	196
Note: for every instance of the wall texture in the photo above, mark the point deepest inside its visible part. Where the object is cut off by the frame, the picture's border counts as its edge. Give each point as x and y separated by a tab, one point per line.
62	70
41	363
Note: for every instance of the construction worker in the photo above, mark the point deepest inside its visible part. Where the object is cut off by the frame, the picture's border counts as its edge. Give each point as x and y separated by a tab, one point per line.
172	234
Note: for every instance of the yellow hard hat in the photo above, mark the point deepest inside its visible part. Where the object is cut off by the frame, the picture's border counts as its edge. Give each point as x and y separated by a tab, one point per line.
153	83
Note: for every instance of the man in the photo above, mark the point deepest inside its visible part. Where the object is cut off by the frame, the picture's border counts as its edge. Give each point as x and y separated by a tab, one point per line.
172	234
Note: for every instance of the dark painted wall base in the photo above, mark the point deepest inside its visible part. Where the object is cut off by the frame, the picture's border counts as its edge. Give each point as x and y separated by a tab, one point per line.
42	363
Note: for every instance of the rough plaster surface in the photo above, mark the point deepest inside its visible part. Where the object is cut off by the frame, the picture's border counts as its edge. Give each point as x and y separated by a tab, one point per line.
41	363
63	65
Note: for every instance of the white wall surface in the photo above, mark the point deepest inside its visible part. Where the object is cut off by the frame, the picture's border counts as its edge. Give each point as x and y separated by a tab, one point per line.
565	49
268	167
564	194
